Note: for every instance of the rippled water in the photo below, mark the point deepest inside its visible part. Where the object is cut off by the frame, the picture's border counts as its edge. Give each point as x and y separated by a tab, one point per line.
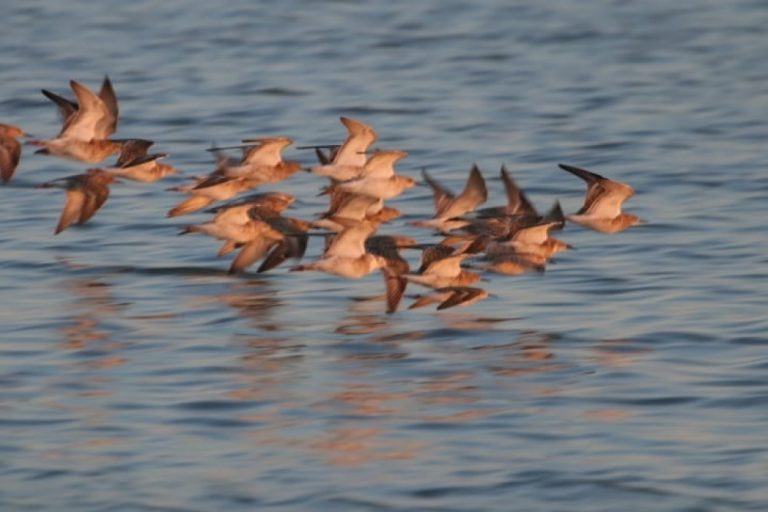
137	375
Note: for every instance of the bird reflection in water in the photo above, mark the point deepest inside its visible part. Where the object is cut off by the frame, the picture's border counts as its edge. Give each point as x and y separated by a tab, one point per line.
89	333
360	426
364	316
614	354
617	353
92	309
468	321
530	353
254	300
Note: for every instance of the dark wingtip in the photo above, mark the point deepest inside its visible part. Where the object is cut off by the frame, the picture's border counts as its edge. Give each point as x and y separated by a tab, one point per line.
582	173
570	168
555	214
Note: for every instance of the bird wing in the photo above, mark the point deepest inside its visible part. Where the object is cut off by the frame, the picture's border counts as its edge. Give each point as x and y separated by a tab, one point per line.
355	206
250	253
534	235
268	153
91	118
604	196
107	95
395	288
440	194
474	194
461	295
10	154
288	247
67	108
449	266
352	151
72	209
433	253
608	202
132	149
382	164
517	201
350	243
95	197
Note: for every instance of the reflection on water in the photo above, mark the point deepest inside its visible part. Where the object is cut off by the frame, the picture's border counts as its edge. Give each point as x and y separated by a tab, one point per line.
255	301
137	375
91	306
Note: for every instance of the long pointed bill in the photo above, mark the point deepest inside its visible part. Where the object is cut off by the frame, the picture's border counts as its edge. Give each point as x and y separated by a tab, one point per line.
320	146
240	146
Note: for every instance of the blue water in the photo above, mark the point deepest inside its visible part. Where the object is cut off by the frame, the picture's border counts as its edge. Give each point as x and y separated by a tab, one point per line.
136	375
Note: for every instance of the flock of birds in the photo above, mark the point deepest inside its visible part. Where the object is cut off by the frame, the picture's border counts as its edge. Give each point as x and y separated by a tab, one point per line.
508	239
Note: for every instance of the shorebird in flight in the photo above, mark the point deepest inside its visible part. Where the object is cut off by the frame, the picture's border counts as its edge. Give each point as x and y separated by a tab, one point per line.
87	125
349	159
602	205
262	158
448	206
347	256
86	194
135	163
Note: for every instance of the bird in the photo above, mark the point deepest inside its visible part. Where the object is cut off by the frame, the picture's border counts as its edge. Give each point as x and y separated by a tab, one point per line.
262	158
377	178
232	215
518	204
293	243
347	256
501	226
602	205
254	238
448	206
346	208
359	206
388	247
255	226
134	162
10	150
352	151
86	194
444	272
84	133
529	249
350	157
381	163
528	239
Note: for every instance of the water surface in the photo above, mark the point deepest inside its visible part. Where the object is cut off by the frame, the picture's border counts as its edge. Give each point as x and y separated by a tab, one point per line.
137	375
